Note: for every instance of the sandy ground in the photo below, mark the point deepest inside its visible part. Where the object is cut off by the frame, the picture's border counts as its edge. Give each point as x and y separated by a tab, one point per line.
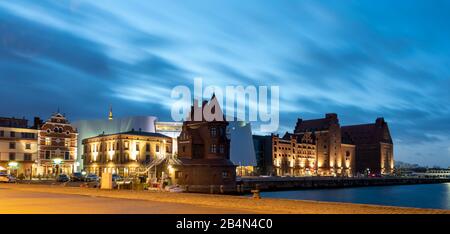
59	199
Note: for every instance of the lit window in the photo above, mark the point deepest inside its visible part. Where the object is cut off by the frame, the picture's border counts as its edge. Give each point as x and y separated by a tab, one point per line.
225	174
213	132
48	141
213	148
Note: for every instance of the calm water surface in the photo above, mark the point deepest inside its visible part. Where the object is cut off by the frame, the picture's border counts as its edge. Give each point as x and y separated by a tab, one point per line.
435	196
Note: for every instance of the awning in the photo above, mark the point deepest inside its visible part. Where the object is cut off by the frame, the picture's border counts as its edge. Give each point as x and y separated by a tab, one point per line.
2	168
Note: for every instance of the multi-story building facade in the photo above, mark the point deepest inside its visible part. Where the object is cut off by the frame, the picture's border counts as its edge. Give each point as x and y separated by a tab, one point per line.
57	146
124	153
204	152
374	147
322	147
18	146
294	154
327	134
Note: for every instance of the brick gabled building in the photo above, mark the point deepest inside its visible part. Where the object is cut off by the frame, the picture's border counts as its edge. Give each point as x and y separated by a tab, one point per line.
204	152
57	143
328	142
323	147
374	146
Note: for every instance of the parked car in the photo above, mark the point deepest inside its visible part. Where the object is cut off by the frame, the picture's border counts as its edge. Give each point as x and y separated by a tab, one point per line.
91	178
77	176
62	178
116	177
6	178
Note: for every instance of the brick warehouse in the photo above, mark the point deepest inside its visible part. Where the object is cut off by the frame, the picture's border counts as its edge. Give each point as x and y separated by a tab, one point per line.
323	147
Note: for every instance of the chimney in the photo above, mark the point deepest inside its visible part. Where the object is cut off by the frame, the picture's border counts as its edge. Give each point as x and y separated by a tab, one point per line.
331	116
37	123
380	121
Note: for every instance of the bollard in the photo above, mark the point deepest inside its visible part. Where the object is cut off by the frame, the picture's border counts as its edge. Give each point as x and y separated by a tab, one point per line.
211	189
256	194
222	190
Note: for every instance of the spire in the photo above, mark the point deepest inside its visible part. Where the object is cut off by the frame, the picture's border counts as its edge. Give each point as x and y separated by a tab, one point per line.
110	116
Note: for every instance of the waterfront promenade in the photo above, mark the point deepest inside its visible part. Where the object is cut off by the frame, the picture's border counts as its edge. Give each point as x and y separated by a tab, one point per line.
88	200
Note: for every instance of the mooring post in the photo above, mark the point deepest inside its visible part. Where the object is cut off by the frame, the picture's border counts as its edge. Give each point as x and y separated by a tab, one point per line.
256	194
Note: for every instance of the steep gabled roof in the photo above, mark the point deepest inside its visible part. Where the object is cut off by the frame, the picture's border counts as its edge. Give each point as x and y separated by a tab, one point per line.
366	133
313	125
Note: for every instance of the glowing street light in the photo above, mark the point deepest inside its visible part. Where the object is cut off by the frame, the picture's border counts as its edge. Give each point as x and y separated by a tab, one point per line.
13	164
57	161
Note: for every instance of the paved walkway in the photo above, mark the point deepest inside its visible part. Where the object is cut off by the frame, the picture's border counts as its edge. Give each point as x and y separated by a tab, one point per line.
25	202
219	203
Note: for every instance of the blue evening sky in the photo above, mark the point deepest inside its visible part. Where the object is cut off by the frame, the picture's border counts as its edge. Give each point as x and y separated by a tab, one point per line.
360	59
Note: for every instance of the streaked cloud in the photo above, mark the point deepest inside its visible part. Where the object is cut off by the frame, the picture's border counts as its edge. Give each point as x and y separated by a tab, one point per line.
361	59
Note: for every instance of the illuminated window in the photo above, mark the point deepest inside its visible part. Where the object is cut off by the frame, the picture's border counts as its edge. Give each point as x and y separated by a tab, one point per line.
213	148
48	141
225	174
127	145
213	132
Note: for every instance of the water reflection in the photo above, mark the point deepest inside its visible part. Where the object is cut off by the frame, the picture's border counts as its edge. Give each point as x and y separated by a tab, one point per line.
435	196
